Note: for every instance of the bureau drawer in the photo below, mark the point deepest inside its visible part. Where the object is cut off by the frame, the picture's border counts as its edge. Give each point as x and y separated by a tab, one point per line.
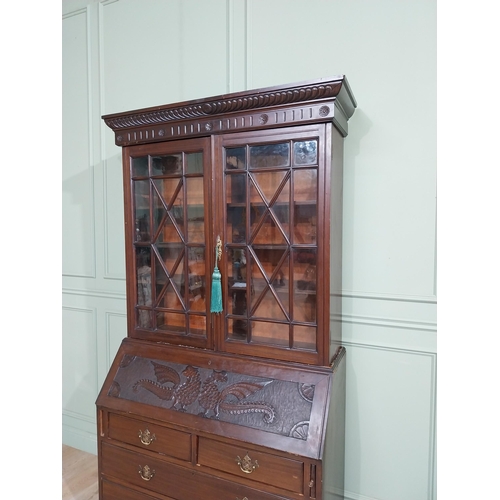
148	472
113	491
170	442
170	480
256	466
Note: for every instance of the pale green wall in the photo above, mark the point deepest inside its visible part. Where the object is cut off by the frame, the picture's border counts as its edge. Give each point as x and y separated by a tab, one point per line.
127	54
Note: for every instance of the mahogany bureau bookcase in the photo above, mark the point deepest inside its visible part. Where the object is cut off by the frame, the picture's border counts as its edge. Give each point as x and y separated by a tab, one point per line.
230	384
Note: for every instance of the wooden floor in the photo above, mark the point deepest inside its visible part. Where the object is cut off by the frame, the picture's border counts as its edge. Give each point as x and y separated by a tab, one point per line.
79	475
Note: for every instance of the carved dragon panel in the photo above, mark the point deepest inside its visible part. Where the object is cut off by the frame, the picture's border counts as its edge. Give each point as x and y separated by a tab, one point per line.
277	406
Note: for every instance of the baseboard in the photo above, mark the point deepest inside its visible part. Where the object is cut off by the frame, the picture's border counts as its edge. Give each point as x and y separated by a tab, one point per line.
346	495
78	439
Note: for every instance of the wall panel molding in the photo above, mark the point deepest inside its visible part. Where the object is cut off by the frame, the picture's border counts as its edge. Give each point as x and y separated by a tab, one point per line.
408	377
108	253
113	339
103	294
107	208
385	322
79	179
76	12
79	416
427	299
80	381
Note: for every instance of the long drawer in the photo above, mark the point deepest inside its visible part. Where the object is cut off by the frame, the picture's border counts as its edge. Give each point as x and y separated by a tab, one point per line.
170	442
113	491
253	465
172	481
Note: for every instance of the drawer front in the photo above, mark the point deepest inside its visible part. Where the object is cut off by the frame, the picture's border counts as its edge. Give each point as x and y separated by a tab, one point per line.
113	491
267	469
172	481
148	472
170	442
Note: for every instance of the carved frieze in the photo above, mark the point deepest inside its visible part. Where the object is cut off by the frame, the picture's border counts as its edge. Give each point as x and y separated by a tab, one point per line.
284	106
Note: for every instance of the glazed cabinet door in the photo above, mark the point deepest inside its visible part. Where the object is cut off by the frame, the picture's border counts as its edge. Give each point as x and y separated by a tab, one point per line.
168	232
273	188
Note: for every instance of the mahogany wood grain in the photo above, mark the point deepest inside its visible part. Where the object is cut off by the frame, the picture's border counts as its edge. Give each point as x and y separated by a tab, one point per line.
263	381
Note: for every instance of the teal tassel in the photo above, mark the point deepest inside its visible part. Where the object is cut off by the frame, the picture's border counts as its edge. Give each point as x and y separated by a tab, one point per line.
216	299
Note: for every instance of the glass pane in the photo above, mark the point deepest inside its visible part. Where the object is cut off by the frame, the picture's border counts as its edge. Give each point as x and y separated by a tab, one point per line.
167	189
269	308
235	158
270	333
196	224
237	329
236	224
170	299
171	321
195	209
236	188
166	165
194	163
144	318
305	152
160	282
259	284
269	258
178	278
197	325
177	211
196	293
170	255
304	337
237	282
168	232
143	266
305	184
270	155
141	210
269	183
274	263
257	213
305	229
304	276
194	191
159	212
282	213
197	280
140	166
305	208
268	233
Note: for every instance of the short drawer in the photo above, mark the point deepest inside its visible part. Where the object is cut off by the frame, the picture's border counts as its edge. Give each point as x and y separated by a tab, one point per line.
170	442
147	472
169	480
268	469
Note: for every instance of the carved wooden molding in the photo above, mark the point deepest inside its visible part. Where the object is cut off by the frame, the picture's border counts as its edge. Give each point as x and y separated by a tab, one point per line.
237	111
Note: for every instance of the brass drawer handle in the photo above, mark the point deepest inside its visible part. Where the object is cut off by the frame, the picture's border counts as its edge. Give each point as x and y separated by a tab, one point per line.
246	464
146	437
146	473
